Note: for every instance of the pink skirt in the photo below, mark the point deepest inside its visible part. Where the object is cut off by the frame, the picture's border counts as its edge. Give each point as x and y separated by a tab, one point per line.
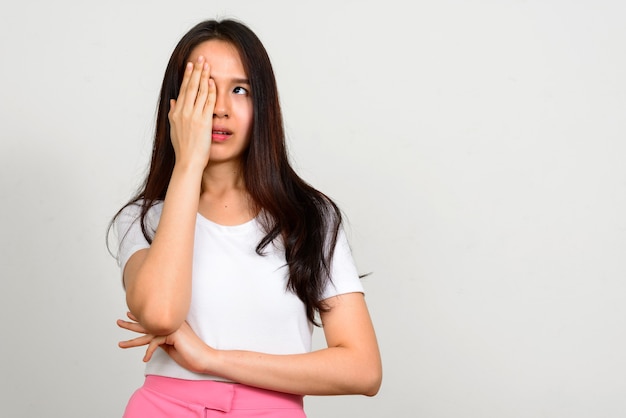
168	397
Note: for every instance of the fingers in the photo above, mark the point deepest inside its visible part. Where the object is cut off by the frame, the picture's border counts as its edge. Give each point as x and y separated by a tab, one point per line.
209	104
186	75
152	346
131	326
203	89
193	85
136	342
193	79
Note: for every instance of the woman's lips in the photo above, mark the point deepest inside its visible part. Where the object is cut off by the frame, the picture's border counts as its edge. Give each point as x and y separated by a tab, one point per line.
220	135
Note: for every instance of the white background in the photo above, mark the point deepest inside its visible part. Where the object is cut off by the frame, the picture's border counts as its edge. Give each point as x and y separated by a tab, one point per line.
477	148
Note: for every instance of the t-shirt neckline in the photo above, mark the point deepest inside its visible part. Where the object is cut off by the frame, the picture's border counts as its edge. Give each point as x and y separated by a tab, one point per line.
227	228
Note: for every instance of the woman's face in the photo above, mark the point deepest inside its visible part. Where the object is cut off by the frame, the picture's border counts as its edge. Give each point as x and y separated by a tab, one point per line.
232	117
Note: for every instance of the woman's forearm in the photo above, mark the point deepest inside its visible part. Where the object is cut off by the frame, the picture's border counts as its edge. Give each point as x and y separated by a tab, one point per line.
330	371
158	284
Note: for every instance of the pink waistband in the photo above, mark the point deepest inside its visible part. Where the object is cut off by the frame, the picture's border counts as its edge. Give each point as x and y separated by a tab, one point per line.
221	396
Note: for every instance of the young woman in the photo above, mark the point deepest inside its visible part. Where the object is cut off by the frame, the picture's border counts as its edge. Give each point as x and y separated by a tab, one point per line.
229	258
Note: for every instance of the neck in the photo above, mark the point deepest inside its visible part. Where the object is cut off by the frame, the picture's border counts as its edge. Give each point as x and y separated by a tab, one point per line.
224	198
219	178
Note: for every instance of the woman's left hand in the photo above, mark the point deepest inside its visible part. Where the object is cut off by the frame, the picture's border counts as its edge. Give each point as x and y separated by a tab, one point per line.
183	346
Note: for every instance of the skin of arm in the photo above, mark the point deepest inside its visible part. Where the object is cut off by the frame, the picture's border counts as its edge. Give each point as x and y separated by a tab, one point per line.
350	364
158	279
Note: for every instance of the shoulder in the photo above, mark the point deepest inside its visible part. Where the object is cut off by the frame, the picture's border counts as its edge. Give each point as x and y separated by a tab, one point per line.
131	213
129	229
129	224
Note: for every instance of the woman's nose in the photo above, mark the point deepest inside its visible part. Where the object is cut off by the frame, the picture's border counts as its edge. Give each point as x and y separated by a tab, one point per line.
221	106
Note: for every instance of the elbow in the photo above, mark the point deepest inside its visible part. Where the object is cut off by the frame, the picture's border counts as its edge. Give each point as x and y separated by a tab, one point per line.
372	375
366	381
372	382
160	326
159	319
366	375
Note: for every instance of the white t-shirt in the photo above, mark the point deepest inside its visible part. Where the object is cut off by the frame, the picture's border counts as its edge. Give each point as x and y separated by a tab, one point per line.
239	299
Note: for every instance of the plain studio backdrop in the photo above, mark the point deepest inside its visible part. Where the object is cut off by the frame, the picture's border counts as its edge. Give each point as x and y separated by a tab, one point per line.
476	147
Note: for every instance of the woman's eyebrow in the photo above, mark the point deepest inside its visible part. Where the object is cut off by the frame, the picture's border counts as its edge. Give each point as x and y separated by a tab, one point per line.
235	80
240	81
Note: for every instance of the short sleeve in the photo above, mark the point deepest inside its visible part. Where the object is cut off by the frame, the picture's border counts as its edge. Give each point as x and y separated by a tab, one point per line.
344	275
128	228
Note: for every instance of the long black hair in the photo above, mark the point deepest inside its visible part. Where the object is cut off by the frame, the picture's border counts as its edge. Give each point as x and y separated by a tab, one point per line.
306	220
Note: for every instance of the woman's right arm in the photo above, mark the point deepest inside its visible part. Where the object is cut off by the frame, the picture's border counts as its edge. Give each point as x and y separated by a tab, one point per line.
158	279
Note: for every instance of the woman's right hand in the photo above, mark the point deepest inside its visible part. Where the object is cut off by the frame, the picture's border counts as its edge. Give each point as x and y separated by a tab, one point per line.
183	346
191	115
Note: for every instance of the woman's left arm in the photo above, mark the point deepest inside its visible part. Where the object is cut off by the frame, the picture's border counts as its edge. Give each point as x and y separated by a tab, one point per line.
350	364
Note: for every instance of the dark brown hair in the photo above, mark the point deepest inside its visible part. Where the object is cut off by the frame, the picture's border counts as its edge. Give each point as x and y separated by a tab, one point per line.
305	219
